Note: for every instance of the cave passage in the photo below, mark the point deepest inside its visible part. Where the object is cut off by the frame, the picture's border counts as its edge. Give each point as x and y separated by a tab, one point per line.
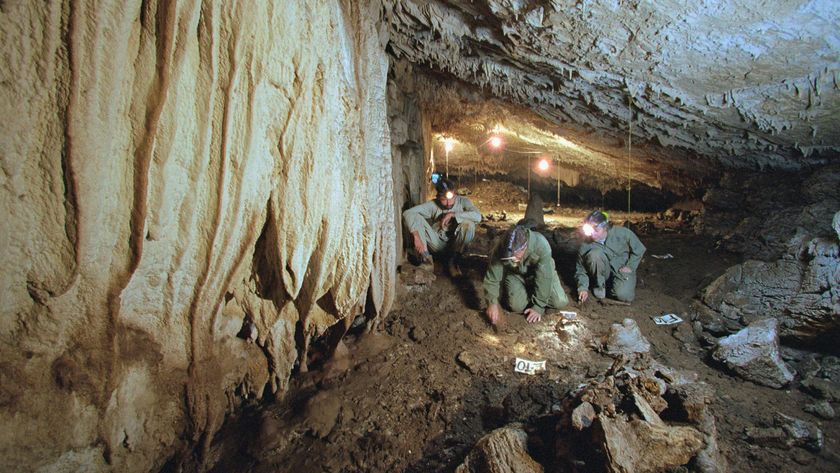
419	236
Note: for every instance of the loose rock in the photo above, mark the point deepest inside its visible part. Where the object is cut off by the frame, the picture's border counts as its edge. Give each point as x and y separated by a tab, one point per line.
822	389
753	354
502	450
626	339
800	433
820	409
582	416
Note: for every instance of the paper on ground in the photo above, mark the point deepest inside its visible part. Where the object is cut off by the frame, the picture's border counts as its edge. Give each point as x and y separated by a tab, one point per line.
667	319
527	366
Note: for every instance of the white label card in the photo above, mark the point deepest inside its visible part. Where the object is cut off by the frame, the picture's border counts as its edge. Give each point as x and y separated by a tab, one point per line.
527	366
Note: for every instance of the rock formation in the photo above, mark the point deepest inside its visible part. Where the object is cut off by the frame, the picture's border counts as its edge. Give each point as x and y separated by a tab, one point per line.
172	173
502	451
753	354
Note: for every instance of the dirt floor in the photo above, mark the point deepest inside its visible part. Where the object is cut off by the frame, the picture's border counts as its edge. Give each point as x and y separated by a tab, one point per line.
416	396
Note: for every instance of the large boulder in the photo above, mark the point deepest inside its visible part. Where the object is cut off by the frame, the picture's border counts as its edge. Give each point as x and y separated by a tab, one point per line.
801	291
753	354
639	446
503	450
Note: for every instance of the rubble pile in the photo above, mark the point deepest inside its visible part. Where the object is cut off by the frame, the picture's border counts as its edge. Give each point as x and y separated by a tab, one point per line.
641	416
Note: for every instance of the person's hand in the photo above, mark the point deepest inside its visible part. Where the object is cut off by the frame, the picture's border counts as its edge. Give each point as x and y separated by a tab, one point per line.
625	269
582	296
532	316
444	221
419	246
494	312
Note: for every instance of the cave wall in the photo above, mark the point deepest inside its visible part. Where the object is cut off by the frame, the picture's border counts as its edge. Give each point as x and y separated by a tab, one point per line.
764	215
175	174
410	138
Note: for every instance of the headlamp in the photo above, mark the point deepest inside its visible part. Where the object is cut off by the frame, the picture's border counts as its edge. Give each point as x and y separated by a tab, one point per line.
589	229
449	195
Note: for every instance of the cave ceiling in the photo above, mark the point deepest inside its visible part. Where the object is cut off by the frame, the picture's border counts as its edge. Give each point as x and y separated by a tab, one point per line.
669	93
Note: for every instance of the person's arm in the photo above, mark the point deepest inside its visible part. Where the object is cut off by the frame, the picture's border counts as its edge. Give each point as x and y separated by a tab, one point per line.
637	249
581	276
417	214
493	281
470	212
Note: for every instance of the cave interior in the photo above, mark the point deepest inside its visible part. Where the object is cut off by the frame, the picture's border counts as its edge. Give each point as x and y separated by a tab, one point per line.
206	265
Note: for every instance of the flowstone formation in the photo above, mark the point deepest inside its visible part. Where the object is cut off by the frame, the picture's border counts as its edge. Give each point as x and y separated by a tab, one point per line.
174	175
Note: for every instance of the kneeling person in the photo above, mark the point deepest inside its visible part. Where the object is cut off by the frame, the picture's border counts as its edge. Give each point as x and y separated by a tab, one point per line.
522	266
608	260
446	223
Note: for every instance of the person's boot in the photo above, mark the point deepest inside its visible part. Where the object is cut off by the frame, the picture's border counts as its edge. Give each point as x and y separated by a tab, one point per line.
454	268
599	292
426	261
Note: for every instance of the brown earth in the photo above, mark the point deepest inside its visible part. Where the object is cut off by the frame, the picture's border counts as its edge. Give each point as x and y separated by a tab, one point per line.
416	396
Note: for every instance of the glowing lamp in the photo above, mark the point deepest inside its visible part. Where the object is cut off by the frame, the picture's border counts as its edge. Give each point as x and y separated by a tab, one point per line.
448	144
495	142
449	195
542	165
588	229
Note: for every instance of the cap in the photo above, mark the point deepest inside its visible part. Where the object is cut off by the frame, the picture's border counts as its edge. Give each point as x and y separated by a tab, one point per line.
515	241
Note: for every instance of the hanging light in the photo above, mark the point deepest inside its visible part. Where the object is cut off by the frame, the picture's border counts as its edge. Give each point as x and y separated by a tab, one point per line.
448	144
495	141
542	165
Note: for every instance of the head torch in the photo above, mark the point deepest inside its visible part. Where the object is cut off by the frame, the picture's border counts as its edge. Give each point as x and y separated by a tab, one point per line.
589	229
449	195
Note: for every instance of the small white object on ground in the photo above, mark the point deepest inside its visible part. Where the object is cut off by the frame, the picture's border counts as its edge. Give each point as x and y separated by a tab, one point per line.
667	319
527	366
665	256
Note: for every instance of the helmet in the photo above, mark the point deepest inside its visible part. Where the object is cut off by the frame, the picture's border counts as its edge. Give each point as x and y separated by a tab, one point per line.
515	240
594	220
445	188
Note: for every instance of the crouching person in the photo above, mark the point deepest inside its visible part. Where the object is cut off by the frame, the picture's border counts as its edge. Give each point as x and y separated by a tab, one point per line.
444	225
521	275
607	261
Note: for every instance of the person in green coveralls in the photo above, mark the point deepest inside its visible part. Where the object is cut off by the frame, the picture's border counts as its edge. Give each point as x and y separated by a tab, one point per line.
521	265
608	260
444	224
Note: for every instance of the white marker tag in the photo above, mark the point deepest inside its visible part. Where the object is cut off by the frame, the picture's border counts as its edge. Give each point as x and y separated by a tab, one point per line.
667	319
568	314
527	366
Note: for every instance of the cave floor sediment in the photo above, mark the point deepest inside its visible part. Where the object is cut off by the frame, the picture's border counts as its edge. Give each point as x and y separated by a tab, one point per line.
418	394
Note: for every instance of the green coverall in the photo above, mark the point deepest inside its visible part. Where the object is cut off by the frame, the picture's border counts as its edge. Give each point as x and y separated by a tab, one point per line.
425	220
603	260
535	272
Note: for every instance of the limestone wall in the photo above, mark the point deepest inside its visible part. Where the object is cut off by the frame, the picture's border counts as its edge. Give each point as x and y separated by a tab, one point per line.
175	174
